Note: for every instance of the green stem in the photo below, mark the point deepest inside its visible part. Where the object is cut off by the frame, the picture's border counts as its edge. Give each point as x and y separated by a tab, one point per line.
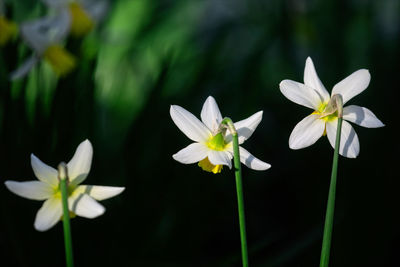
239	189
63	176
326	242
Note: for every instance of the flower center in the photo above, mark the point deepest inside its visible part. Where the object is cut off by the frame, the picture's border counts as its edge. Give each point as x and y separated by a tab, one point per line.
206	165
325	113
81	23
217	142
60	59
8	30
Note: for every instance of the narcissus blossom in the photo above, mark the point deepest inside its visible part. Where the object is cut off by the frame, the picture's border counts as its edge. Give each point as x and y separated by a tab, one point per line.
45	37
82	199
213	146
321	121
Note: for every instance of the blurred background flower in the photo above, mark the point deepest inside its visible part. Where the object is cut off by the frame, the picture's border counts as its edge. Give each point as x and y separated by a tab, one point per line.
145	55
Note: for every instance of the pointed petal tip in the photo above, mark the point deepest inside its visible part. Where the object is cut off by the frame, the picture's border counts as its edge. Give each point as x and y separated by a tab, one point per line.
38	228
263	166
7	184
294	146
121	189
175	157
349	156
174	107
41	228
86	142
282	83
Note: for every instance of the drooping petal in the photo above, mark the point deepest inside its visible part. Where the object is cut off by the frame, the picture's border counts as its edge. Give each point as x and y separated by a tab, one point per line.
191	154
44	172
99	192
352	85
25	68
306	132
49	214
220	158
35	190
252	162
349	144
301	94
85	206
312	80
245	128
79	165
361	116
210	114
191	126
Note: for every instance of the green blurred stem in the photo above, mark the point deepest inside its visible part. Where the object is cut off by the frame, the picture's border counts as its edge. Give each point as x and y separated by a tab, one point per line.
63	176
239	189
326	242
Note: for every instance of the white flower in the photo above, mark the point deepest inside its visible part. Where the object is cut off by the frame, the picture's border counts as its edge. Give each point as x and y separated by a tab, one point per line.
84	13
81	198
312	94
45	36
213	148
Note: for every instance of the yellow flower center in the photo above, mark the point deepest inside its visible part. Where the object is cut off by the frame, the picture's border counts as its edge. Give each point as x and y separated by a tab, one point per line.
321	112
60	59
57	194
8	30
81	23
216	142
206	165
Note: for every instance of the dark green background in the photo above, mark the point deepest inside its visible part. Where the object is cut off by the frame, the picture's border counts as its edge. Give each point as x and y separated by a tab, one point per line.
147	55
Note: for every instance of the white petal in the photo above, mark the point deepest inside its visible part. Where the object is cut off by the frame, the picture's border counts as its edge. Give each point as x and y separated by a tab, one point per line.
25	68
352	85
33	32
191	154
252	162
49	214
85	206
349	144
210	114
44	172
191	126
312	80
79	165
361	116
99	192
245	128
96	9
35	190
306	132
220	158
301	94
41	33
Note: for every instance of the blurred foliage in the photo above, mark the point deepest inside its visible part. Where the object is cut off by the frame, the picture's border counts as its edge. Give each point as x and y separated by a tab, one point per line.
147	55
